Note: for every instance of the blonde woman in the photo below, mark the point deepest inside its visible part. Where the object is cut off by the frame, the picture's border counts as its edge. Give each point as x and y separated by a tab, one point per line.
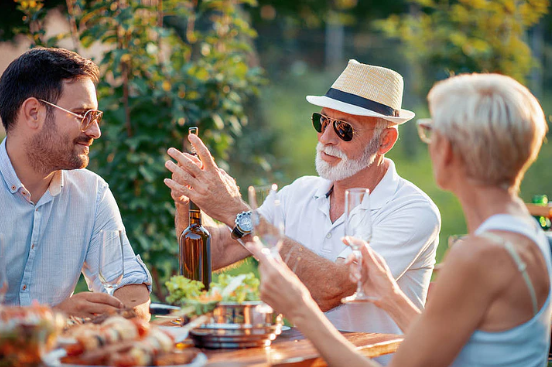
491	303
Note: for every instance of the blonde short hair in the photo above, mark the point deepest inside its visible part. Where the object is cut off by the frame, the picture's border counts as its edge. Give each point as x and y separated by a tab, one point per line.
493	122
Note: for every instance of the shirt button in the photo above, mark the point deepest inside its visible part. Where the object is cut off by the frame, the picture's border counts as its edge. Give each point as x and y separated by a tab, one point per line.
24	287
32	247
13	187
329	235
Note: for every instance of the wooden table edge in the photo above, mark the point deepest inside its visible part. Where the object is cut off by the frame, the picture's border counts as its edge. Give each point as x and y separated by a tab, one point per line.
370	351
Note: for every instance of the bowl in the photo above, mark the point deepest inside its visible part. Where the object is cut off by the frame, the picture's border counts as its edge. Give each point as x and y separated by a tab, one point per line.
239	325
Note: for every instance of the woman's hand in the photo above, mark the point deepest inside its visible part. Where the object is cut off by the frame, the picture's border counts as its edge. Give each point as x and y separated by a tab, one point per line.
280	287
377	280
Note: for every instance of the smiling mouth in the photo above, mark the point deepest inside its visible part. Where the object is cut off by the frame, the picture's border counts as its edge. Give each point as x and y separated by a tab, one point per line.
330	159
86	143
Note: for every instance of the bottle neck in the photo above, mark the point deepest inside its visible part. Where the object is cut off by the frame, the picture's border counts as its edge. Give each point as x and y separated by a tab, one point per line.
195	214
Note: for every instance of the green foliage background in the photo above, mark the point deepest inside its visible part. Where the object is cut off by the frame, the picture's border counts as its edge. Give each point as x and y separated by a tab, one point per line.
156	82
197	63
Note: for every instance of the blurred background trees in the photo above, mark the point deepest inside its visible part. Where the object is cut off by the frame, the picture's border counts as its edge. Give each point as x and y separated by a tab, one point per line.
240	70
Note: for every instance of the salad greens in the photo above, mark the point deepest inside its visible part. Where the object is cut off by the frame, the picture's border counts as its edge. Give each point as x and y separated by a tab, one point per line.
239	288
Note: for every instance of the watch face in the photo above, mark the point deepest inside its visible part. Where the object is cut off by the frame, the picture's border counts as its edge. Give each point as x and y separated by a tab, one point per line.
245	224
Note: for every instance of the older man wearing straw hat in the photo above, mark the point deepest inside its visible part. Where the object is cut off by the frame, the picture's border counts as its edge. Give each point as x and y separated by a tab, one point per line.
357	126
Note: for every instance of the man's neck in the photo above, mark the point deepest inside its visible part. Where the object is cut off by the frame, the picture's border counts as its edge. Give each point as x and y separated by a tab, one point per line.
35	182
367	178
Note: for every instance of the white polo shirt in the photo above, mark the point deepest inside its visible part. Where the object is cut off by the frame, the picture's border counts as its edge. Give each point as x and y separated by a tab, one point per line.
405	231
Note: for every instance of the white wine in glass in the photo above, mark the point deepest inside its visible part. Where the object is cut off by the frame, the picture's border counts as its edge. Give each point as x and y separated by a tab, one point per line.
358	224
111	269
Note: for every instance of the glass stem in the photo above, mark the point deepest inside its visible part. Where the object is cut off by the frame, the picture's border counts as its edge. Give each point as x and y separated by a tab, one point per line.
359	291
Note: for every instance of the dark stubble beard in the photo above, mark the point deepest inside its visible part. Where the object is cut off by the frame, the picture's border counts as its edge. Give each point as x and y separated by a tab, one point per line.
49	151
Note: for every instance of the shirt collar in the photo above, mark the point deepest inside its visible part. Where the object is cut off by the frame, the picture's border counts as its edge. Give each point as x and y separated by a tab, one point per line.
57	183
325	188
9	176
13	183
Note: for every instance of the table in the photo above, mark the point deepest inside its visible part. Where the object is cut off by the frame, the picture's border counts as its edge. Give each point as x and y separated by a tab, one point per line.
291	349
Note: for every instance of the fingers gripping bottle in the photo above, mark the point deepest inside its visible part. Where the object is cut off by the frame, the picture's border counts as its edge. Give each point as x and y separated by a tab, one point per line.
194	245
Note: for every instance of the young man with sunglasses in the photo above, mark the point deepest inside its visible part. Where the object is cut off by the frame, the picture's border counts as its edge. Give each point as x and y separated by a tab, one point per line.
52	209
357	126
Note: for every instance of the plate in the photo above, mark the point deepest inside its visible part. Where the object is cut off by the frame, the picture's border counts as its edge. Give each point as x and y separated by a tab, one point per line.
178	333
52	359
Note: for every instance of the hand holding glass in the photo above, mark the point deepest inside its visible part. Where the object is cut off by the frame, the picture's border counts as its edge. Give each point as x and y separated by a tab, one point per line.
111	270
358	224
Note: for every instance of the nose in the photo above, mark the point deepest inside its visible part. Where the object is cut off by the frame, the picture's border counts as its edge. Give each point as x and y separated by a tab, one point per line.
93	130
328	136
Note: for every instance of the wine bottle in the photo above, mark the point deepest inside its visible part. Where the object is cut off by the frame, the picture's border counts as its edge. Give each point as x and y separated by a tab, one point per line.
194	245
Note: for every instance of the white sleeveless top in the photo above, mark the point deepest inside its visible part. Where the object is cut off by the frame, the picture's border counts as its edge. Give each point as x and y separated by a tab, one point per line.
525	345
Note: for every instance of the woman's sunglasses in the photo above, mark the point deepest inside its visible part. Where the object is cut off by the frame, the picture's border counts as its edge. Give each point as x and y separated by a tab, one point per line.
343	129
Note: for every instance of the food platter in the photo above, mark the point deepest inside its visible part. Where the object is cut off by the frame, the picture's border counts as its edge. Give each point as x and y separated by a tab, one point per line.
53	359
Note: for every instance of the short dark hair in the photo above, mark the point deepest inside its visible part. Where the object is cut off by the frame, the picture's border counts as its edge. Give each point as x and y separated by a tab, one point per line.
40	73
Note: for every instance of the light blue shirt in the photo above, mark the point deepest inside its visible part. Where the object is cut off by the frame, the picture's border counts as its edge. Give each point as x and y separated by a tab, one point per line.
49	243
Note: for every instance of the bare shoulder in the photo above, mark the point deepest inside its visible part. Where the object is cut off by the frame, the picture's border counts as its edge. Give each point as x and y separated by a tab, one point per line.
480	257
474	249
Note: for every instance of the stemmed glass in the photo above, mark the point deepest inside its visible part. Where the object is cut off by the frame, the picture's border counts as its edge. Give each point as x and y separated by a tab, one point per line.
270	235
111	270
358	224
3	270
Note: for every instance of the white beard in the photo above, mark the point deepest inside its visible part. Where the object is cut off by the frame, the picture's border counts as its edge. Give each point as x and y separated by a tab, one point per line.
346	167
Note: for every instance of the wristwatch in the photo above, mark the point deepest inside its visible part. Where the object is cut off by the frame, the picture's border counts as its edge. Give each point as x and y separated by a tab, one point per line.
244	226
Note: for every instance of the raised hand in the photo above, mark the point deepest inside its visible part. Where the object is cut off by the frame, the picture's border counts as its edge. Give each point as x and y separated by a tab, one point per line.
89	304
202	181
376	277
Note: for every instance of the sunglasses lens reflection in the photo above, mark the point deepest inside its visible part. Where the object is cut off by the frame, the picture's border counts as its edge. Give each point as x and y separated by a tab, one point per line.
316	122
90	117
344	130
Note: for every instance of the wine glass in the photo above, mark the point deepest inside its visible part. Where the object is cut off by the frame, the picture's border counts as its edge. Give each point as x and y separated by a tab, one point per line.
111	270
270	235
3	270
358	224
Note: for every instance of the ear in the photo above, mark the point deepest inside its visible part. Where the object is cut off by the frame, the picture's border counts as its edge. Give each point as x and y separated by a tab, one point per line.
448	152
32	113
447	156
388	139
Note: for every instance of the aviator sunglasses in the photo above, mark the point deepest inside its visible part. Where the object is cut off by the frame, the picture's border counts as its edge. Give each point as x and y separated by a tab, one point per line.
87	119
343	129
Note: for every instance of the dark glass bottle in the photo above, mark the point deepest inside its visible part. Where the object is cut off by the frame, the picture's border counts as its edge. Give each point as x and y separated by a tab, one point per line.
195	249
194	244
543	221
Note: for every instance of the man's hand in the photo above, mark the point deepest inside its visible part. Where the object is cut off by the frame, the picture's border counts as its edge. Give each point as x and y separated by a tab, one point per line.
207	185
135	296
89	304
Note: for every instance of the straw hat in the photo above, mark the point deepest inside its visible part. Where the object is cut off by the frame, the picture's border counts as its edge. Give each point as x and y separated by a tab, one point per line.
366	90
